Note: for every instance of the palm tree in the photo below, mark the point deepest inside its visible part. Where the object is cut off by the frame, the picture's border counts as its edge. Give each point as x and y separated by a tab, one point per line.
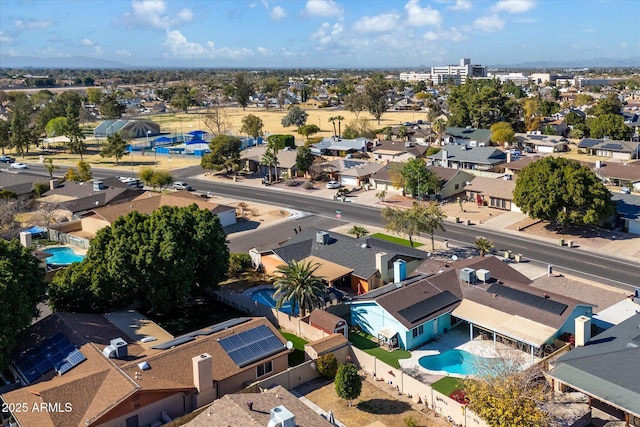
268	159
298	285
438	126
332	120
339	119
358	231
483	245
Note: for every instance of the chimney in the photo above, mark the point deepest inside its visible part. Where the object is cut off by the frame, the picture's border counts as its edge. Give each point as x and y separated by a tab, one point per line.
53	184
509	156
203	379
382	265
583	330
445	158
399	270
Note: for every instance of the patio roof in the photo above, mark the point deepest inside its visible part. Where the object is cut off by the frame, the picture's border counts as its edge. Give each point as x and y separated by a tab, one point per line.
509	325
387	333
328	270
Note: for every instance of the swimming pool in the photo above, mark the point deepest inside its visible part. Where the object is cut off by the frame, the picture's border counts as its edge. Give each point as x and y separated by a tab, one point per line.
265	297
62	256
454	362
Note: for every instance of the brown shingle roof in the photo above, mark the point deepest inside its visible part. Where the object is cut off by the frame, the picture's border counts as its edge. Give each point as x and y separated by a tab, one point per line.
492	187
324	320
232	410
327	344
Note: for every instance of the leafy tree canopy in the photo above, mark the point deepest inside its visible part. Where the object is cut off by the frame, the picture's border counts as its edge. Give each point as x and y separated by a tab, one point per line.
502	132
417	180
375	95
479	103
161	260
115	146
225	153
295	117
308	130
564	192
348	382
21	289
252	125
304	159
611	125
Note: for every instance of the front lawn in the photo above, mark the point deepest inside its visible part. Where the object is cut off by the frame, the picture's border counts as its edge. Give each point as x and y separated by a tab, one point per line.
363	342
396	240
297	356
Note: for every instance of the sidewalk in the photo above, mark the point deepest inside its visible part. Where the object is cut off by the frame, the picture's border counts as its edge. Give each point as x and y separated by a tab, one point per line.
623	245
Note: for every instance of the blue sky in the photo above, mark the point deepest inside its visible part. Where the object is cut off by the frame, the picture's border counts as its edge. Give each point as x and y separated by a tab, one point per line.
321	33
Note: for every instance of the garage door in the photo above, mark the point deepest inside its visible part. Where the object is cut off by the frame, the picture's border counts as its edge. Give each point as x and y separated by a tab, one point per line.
349	180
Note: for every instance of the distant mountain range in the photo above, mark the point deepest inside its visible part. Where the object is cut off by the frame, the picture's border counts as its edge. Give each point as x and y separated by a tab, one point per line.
84	62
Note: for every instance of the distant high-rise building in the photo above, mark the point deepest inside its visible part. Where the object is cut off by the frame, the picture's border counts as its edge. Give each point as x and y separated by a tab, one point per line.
458	74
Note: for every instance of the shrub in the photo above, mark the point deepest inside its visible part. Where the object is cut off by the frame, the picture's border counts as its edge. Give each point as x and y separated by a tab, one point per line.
289	182
410	421
40	188
459	396
327	365
348	382
308	185
238	262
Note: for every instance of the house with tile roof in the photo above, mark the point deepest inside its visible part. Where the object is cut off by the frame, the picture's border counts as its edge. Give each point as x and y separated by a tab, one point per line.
625	174
542	143
252	158
465	157
606	370
628	211
469	136
397	151
335	146
493	192
258	410
148	202
621	150
21	183
360	264
119	381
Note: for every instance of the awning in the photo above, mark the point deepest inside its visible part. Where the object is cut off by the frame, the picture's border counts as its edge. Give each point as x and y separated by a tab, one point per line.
387	333
509	325
328	270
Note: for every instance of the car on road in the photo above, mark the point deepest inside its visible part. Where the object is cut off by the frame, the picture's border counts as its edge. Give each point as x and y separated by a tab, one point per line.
181	185
333	184
6	159
18	165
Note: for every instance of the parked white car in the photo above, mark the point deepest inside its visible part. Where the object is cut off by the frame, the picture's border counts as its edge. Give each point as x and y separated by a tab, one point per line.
333	184
181	185
18	165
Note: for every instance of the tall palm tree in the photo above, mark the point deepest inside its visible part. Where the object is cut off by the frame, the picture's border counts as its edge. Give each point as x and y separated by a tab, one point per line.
483	245
268	159
438	126
298	285
339	119
332	120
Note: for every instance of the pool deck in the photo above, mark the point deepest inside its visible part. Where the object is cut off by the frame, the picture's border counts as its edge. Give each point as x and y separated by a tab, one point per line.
458	338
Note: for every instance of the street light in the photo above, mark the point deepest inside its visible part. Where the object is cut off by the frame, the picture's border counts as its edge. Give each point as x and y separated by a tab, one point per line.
155	158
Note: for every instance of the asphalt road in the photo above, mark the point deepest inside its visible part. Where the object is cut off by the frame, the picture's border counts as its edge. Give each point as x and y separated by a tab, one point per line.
602	268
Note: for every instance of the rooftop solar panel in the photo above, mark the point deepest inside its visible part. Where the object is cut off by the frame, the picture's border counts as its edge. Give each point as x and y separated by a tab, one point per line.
526	298
588	143
202	332
424	308
71	361
53	352
612	147
252	345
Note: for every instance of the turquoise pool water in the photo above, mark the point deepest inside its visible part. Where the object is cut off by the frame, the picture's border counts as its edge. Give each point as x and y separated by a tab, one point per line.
62	256
265	297
454	362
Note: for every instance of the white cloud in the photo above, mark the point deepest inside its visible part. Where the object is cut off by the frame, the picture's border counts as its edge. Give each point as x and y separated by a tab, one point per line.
180	47
152	13
32	25
123	52
327	33
87	42
461	5
489	24
277	13
420	16
5	38
452	34
513	6
262	51
322	8
377	24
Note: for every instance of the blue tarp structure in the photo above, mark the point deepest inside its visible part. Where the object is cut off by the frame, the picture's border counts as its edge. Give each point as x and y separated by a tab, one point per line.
36	230
196	141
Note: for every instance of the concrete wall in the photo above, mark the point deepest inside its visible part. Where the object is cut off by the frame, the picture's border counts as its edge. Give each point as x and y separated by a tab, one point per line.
93	224
172	405
241	380
289	379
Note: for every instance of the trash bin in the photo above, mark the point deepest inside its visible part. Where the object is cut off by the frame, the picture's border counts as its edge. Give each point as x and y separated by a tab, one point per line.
507	254
468	222
517	257
561	242
457	219
570	243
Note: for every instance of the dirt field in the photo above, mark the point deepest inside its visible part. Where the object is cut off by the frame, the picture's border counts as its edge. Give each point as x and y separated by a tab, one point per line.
373	405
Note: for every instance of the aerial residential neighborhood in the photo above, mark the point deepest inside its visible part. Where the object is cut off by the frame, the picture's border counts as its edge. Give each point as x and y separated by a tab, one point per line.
319	213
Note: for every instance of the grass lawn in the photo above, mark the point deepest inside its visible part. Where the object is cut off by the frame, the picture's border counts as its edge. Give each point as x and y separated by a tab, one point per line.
197	316
364	343
447	385
396	240
297	356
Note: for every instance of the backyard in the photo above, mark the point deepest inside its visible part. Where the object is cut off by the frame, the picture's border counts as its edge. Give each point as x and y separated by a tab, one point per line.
297	356
364	342
396	240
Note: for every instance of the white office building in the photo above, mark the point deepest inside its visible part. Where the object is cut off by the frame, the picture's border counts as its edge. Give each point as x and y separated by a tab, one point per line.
458	74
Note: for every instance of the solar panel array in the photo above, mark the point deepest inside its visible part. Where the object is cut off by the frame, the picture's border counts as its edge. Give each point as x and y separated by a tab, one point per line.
588	143
252	345
426	307
612	146
55	352
526	298
191	336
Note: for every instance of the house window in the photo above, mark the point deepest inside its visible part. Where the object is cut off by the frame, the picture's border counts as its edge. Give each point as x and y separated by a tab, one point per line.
457	186
417	331
264	369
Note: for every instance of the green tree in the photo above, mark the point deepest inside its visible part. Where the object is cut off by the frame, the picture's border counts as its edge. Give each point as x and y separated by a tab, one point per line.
308	130
22	135
304	159
483	245
611	125
358	231
155	178
403	133
479	103
295	117
433	220
355	103
73	132
439	126
375	95
111	108
94	95
162	260
418	219
279	142
181	99
225	154
582	99
332	120
240	89
84	171
502	133
49	166
269	159
252	126
339	119
610	104
418	180
564	192
21	289
548	108
5	126
348	382
56	126
327	365
238	263
297	284
116	146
